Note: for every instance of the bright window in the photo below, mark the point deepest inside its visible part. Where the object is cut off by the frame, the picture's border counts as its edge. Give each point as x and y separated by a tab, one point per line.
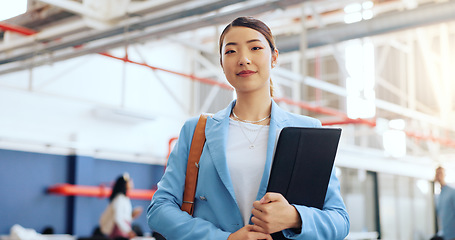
361	81
356	12
394	139
11	9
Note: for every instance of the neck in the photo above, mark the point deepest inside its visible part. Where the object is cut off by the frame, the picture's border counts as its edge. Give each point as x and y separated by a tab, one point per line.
253	108
442	183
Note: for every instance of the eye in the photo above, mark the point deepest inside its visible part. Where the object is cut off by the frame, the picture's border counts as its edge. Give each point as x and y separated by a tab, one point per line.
256	48
229	51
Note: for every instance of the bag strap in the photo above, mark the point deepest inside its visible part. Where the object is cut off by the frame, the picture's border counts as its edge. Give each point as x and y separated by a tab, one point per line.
192	168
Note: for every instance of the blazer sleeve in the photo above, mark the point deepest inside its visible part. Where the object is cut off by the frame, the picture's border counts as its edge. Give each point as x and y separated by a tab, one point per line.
164	215
332	222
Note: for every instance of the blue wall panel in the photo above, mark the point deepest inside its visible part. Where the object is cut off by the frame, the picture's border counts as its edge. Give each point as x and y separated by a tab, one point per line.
26	176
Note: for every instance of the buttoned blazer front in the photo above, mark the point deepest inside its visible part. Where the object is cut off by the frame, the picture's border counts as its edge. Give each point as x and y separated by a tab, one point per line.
216	214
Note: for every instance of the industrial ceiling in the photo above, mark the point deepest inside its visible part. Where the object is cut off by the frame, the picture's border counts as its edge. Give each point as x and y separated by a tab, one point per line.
57	30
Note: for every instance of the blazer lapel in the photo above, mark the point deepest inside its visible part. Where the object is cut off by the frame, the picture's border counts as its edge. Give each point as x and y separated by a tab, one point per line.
278	121
216	139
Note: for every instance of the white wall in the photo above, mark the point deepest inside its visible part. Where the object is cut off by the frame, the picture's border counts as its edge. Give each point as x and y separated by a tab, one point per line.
71	105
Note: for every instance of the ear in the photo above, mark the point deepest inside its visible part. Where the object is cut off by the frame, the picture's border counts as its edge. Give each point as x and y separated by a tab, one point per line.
274	58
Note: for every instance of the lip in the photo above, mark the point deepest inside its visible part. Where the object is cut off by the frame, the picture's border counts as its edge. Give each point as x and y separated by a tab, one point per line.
246	73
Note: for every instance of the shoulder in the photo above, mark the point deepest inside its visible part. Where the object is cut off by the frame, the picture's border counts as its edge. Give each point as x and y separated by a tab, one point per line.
191	122
189	126
187	130
448	192
284	117
302	120
450	189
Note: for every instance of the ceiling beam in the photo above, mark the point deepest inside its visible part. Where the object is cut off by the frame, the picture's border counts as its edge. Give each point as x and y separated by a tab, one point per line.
382	24
159	26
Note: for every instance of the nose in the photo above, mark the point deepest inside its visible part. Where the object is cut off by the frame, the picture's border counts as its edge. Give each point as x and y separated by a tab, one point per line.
244	60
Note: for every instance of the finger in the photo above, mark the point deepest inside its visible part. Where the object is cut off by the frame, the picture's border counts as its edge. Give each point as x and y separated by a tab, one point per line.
271	197
259	225
257	213
255	221
258	229
250	228
257	205
258	232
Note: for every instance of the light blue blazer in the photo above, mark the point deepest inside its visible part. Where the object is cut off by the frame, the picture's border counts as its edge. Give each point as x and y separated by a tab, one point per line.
216	213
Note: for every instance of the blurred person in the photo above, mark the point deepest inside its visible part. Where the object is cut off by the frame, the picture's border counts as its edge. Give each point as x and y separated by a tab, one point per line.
48	230
436	237
116	220
445	205
231	200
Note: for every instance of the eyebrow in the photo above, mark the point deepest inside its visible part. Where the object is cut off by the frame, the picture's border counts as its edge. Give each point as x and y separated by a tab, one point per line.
249	41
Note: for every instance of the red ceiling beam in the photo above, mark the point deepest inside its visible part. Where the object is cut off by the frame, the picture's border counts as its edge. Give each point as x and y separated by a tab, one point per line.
17	29
101	191
328	111
190	76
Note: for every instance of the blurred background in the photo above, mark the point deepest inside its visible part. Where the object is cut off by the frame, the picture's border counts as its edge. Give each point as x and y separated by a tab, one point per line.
90	89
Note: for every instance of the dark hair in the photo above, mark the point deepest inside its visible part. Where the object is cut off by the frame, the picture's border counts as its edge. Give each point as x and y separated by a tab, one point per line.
253	23
119	187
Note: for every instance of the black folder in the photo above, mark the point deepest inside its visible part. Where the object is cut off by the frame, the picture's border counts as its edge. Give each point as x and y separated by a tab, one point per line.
302	165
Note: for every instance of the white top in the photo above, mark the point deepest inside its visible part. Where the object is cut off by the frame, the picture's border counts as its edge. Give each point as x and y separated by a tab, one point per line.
246	165
119	212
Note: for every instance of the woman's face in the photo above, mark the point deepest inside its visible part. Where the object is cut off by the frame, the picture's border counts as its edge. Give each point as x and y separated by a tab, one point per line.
440	174
247	60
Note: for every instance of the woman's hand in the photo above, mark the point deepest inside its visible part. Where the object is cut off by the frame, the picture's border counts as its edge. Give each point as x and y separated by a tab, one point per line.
137	212
273	213
247	233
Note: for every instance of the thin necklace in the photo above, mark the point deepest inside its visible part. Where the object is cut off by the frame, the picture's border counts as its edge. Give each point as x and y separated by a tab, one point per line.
247	121
246	136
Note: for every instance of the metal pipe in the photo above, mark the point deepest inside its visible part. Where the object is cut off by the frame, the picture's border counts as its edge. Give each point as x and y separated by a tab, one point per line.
371	123
303	105
400	20
190	76
17	29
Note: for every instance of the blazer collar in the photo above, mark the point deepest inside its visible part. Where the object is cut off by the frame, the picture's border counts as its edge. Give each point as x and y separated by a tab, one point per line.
279	116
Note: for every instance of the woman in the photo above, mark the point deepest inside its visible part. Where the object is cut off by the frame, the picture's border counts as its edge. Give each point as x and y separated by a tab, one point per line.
116	220
231	200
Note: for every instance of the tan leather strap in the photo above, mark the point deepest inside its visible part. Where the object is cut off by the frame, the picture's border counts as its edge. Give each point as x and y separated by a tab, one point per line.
192	168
